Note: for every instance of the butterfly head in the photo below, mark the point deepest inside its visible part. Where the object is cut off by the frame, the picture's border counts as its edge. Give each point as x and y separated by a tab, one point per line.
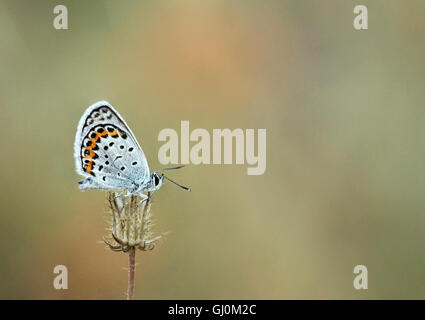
157	179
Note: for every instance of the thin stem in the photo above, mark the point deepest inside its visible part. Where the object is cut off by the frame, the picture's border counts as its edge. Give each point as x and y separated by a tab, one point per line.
131	270
132	252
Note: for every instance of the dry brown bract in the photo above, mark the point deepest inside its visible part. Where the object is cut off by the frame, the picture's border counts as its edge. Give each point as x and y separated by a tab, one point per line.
130	223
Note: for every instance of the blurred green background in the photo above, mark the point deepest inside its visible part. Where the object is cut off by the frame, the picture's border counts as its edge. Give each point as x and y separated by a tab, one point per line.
344	113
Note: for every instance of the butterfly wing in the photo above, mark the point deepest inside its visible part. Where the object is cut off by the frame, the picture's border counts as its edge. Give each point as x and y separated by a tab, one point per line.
106	151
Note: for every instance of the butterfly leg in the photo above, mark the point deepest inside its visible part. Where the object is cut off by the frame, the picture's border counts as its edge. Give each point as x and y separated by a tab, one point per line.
143	196
139	194
128	194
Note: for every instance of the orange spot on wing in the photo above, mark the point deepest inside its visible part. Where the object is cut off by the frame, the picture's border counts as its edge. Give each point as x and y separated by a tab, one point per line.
90	155
94	141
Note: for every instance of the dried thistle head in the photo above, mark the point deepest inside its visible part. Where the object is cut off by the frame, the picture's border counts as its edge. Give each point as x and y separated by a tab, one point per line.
130	223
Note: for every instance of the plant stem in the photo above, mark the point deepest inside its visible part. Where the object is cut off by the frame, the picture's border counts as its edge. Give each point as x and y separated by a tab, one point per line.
131	270
132	251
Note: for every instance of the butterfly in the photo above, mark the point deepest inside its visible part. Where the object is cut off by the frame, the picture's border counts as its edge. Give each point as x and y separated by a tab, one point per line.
109	157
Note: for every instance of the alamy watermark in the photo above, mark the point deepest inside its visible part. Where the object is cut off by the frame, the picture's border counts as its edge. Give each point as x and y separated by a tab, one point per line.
60	282
60	20
360	21
249	145
361	280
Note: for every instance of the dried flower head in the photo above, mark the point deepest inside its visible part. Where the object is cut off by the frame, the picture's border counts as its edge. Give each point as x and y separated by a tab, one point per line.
130	223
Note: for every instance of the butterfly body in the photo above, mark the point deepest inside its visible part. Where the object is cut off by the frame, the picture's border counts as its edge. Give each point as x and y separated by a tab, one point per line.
108	155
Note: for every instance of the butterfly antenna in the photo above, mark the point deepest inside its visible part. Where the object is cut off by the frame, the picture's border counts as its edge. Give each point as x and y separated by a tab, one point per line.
183	187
